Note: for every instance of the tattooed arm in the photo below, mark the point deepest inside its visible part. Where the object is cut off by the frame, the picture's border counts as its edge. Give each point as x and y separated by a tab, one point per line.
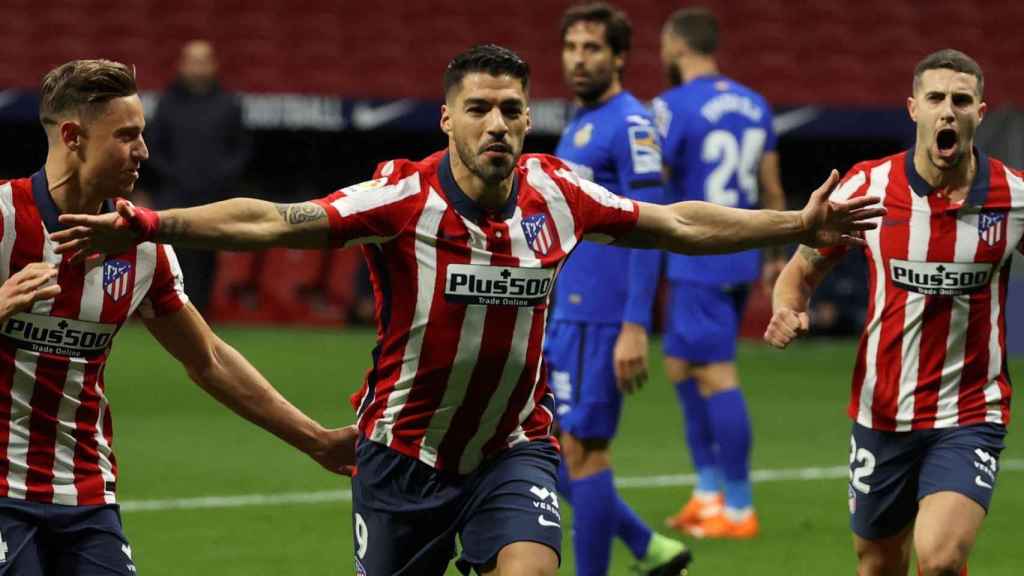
792	295
236	224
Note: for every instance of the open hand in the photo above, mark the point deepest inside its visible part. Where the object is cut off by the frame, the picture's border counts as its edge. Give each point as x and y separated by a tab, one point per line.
89	234
828	223
34	282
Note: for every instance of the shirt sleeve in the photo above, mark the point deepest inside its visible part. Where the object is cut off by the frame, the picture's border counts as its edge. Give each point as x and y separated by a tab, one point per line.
638	166
167	292
374	211
600	215
671	128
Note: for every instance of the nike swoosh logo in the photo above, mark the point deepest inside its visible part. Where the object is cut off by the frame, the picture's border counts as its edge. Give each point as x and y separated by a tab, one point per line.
367	117
545	522
793	119
982	483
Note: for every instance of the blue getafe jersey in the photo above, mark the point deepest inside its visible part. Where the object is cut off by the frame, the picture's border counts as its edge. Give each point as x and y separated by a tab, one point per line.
714	133
615	145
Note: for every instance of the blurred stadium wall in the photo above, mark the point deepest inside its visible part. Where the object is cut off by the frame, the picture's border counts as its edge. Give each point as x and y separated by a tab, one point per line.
332	87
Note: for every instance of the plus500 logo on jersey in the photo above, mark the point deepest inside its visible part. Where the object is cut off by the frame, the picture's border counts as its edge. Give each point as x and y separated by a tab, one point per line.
61	336
497	285
940	278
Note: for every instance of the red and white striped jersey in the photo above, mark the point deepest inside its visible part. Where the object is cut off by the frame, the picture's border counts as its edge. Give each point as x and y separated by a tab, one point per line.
462	300
933	350
56	433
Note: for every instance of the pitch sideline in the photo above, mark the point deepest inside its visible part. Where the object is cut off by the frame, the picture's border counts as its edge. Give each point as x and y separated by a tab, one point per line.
627	483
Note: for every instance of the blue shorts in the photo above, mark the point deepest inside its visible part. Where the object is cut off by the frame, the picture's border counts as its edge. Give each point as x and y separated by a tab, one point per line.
702	322
406	514
582	377
890	472
43	539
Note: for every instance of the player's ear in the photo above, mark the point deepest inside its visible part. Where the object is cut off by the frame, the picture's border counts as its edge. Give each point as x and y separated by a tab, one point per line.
982	109
912	108
446	120
71	134
529	119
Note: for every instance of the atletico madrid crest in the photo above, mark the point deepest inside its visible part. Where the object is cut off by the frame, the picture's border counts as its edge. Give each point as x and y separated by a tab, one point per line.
538	233
992	226
116	275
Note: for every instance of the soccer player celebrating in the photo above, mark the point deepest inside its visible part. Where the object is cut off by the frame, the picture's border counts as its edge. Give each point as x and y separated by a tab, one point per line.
463	247
604	295
931	392
719	146
58	318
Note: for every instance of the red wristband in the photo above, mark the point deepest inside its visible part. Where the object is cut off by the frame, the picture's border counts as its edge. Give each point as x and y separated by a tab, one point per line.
145	223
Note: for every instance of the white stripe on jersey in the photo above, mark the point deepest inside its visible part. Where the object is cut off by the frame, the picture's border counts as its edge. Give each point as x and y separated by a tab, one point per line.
596	192
913	313
9	233
947	410
556	202
426	277
993	395
879	180
516	361
145	270
23	384
846	189
363	197
92	309
466	357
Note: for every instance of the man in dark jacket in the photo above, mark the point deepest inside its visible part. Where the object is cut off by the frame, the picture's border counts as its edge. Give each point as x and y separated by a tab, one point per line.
199	149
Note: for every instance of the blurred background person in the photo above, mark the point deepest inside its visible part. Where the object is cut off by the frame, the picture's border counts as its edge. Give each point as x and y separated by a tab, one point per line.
199	149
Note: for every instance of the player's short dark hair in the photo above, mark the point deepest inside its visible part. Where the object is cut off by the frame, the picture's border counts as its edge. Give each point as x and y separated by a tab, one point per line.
949	59
696	25
80	86
618	32
487	58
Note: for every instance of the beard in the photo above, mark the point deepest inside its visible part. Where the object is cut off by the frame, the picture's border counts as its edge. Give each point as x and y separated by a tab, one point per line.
592	92
491	171
675	75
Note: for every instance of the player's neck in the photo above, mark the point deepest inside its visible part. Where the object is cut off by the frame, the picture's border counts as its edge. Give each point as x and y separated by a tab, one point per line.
490	196
67	189
955	180
694	68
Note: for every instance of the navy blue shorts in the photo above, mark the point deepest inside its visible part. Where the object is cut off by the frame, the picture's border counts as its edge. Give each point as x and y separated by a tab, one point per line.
582	376
703	321
406	515
890	472
52	539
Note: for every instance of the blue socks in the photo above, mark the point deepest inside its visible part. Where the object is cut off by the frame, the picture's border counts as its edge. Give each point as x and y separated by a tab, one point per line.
599	515
730	427
699	437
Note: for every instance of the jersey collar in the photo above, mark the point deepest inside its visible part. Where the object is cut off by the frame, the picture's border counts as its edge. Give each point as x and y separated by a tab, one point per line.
979	186
465	205
48	210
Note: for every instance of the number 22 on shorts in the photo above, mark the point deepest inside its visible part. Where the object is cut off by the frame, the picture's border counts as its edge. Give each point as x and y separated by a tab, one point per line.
862	465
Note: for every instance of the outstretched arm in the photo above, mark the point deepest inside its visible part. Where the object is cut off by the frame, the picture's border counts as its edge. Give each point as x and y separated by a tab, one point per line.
236	224
792	295
233	381
704	228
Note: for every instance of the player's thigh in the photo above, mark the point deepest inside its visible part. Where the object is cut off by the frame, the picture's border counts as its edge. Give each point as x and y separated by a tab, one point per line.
889	556
945	531
513	501
702	323
524	559
582	374
884	474
404	515
91	542
958	476
24	550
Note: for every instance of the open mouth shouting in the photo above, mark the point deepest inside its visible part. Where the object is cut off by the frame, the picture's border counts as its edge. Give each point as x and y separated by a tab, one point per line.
946	143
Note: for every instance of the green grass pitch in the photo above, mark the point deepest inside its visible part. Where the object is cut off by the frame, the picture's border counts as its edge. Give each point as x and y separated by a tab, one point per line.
174	442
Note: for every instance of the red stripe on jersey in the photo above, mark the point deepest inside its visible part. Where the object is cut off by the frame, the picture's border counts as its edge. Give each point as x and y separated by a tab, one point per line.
1005	389
88	477
440	343
935	318
495	345
895	243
